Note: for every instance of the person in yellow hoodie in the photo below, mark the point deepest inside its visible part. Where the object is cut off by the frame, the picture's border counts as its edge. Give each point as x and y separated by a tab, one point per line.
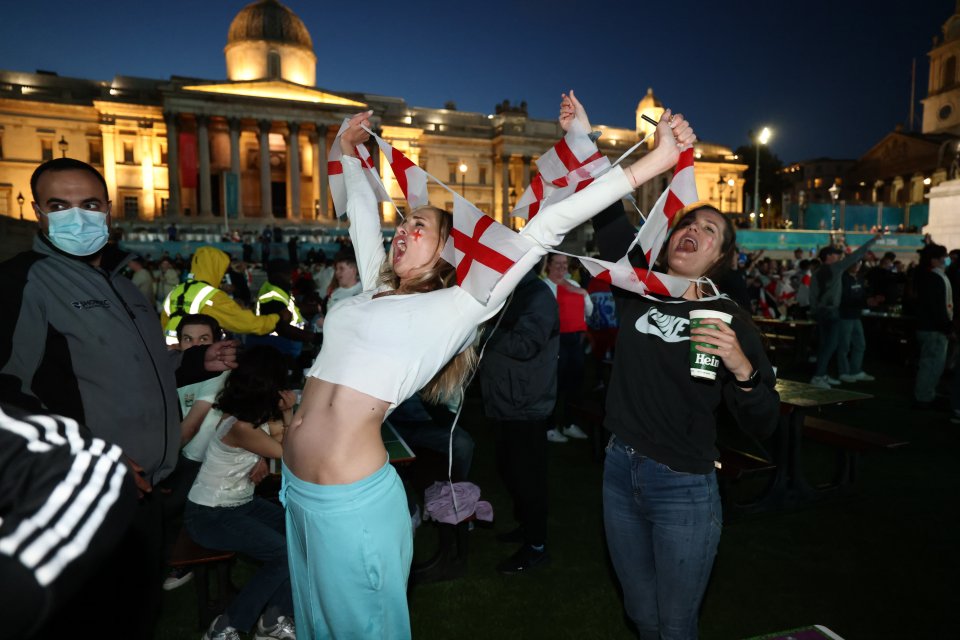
200	294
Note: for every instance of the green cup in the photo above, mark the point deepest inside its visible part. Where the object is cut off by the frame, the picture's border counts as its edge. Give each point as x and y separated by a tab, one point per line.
705	365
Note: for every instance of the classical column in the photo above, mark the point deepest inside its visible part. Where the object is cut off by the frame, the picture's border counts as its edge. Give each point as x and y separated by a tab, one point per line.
266	208
108	132
146	168
526	173
203	150
235	161
293	168
173	164
320	171
505	187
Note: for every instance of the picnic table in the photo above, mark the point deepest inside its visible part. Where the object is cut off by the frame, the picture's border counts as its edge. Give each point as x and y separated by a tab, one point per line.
788	486
787	334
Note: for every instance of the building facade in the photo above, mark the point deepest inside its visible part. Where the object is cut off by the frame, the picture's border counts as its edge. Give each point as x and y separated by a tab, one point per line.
253	148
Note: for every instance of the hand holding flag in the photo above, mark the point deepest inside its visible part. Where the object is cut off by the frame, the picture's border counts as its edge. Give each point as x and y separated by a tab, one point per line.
350	139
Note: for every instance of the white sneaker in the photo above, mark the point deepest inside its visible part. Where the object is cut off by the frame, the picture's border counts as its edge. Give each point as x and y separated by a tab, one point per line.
820	382
573	431
177	578
284	629
832	381
864	377
555	436
849	377
228	633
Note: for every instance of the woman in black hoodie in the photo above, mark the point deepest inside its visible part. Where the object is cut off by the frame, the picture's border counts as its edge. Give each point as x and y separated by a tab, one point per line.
661	506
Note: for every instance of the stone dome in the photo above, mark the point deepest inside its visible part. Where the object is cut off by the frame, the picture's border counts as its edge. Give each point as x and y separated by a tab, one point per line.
271	21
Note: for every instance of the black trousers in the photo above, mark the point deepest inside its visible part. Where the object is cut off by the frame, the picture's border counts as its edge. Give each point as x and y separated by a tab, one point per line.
521	454
569	377
122	600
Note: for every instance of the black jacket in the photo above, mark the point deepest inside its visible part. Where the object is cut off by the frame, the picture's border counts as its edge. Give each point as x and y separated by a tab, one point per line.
518	373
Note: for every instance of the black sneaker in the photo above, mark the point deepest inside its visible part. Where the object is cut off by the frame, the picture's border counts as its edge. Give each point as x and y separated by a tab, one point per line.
525	559
512	537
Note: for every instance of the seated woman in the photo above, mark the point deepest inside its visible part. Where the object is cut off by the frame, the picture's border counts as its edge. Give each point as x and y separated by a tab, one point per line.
349	528
222	511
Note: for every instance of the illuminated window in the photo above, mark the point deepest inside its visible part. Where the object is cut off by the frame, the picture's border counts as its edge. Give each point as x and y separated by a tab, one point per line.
127	153
273	64
949	77
452	172
483	175
817	183
95	151
131	206
46	149
6	199
163	154
164	206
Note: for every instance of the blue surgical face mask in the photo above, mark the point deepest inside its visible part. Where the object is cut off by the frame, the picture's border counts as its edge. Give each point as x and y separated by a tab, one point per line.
79	232
946	262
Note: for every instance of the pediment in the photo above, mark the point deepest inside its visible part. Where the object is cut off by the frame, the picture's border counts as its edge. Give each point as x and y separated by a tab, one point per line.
274	90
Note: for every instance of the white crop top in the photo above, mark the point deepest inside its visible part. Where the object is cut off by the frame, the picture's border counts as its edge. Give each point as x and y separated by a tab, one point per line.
224	477
390	347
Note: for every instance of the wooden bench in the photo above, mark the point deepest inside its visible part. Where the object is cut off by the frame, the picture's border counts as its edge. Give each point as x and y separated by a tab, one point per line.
187	554
735	465
849	442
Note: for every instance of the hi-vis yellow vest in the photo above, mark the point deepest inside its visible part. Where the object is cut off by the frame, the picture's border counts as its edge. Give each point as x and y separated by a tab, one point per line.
271	293
188	298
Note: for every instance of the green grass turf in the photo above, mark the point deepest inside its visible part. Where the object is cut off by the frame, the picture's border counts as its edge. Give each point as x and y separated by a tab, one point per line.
878	564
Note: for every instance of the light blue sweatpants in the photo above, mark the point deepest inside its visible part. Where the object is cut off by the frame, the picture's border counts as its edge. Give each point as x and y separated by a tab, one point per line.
349	548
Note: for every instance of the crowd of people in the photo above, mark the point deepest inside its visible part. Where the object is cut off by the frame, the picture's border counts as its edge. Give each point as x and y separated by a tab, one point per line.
144	359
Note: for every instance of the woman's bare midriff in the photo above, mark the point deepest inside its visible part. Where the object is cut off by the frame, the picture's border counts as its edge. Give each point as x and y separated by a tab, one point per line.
335	435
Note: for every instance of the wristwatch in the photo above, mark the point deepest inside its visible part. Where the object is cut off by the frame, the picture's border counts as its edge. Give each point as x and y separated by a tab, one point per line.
750	382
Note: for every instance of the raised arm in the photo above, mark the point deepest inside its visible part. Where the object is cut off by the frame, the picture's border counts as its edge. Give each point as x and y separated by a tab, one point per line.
365	230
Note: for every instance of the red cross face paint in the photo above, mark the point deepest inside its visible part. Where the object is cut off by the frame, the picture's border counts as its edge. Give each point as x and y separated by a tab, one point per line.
416	245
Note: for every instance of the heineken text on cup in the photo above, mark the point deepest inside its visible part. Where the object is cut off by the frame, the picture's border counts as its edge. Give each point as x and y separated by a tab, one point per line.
705	365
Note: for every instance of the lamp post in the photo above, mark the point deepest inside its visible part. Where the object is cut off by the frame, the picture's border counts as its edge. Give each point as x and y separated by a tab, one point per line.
768	210
463	179
731	184
834	194
763	138
20	200
64	145
720	185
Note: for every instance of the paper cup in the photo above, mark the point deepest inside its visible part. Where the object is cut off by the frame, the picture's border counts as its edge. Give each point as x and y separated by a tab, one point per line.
705	365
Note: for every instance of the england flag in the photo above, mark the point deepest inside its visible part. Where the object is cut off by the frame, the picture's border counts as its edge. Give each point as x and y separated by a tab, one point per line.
335	172
624	275
681	192
411	178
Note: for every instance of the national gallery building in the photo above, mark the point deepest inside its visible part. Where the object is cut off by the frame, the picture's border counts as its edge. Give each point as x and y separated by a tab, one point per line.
254	147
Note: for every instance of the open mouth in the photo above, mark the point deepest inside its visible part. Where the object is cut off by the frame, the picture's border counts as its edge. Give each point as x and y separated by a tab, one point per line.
399	248
687	244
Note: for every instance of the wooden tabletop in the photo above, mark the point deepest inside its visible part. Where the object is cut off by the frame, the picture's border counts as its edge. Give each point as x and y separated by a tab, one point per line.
801	394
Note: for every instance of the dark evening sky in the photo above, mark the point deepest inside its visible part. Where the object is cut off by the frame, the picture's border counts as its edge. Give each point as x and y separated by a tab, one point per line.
829	77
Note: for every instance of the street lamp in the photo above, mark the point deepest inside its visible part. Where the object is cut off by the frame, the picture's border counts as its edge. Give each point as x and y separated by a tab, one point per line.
763	138
834	194
64	145
768	208
20	200
720	185
463	178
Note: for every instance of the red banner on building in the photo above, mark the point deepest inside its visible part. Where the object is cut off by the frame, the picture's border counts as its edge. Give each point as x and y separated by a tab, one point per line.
188	160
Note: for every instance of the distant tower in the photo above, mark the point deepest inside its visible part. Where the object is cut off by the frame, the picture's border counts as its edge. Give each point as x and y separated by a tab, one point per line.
652	108
941	107
267	41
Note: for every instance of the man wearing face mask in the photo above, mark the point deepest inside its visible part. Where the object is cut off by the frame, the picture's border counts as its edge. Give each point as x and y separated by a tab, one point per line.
78	339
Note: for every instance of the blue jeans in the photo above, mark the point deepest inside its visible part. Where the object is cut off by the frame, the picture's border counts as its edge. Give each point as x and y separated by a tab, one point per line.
851	347
255	529
829	335
933	357
662	527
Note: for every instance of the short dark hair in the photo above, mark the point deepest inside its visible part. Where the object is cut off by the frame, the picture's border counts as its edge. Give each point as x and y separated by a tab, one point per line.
65	164
252	390
199	318
346	255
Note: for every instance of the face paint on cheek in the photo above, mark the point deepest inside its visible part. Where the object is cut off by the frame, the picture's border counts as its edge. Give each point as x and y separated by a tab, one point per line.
417	234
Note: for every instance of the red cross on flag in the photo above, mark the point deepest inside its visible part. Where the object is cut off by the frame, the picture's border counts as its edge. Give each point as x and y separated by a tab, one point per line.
569	166
624	275
411	178
481	249
335	172
682	191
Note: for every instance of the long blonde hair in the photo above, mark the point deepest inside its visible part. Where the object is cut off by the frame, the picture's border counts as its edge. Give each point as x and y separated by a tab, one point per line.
440	276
